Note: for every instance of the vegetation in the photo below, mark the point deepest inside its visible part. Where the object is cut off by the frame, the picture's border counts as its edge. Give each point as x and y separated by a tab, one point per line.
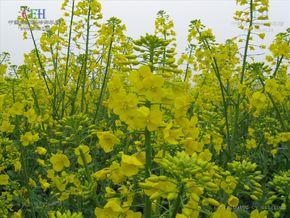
97	124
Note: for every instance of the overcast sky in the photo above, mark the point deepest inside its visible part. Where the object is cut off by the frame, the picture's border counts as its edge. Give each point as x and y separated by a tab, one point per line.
139	15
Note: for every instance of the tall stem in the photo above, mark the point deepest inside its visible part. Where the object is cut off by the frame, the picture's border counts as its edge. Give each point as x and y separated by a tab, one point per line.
177	202
86	58
43	73
67	56
148	168
187	65
237	108
104	83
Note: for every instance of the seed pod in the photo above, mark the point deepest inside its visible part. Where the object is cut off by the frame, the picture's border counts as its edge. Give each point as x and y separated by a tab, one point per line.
145	185
213	202
172	196
254	197
211	185
155	195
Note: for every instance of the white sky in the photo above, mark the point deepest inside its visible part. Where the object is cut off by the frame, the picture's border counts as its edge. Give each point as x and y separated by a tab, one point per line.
139	15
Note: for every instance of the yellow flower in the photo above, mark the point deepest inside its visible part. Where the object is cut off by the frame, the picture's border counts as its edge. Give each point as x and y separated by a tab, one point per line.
258	101
17	214
44	184
29	138
257	214
7	127
85	151
132	214
192	146
223	212
233	201
229	184
107	140
205	155
17	165
40	150
116	173
153	88
101	174
59	161
4	179
111	209
137	77
171	135
130	165
251	143
31	182
154	119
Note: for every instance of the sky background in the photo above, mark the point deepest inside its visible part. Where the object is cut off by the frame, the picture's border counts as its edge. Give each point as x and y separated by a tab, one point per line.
139	15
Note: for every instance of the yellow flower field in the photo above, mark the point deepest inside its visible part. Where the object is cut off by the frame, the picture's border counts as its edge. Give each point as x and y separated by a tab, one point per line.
94	123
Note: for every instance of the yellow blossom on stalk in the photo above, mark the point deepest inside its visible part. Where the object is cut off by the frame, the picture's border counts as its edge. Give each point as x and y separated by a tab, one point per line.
31	115
223	212
132	214
31	182
7	127
16	109
192	146
107	141
251	143
29	138
83	152
233	201
171	135
101	174
59	161
4	179
154	119
130	165
116	173
122	103
136	77
40	150
17	165
152	86
206	155
17	214
217	140
229	184
258	101
44	184
111	209
257	214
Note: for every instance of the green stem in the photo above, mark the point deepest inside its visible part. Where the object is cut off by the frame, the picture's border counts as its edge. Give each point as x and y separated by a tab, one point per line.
237	108
148	167
177	203
67	56
44	75
104	83
223	92
86	57
187	65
